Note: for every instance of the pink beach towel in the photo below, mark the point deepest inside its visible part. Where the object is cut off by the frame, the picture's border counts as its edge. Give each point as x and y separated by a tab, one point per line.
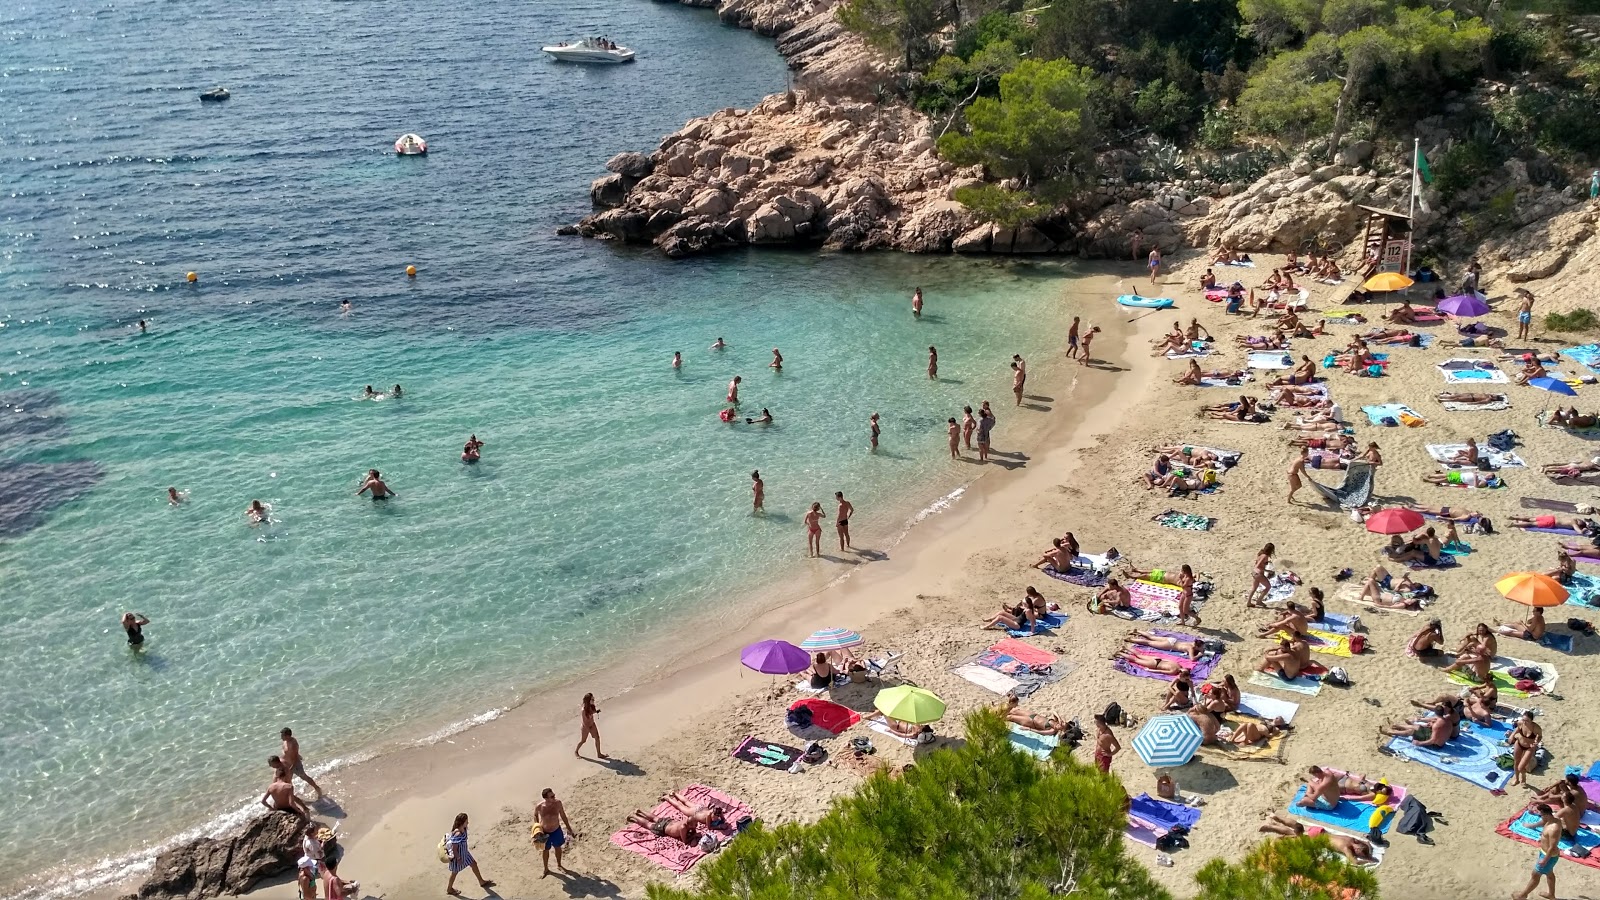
671	854
1023	653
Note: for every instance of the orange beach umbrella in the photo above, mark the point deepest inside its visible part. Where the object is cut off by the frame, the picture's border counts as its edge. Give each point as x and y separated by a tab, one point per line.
1387	281
1531	589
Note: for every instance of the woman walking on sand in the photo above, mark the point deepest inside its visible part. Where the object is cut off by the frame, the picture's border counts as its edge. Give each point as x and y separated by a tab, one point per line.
459	857
588	729
1296	470
1259	580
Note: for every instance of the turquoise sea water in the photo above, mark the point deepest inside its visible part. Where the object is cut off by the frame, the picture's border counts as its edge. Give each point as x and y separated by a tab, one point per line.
610	497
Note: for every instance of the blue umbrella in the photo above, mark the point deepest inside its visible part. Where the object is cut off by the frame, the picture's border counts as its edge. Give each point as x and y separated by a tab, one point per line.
1167	741
1553	385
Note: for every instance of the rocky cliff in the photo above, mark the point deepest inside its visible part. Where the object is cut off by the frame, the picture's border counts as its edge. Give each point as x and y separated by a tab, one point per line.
211	867
822	165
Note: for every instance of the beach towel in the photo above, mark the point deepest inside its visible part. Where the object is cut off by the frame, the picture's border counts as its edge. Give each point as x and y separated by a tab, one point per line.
1561	643
1079	577
1348	815
1467	364
989	679
766	754
1301	685
1543	418
1336	623
1458	406
1047	622
1183	521
1196	350
827	715
1027	653
1266	708
1199	670
1270	359
1377	849
1356	489
1269	750
1524	828
1476	371
1446	561
1033	743
1158	598
1588	355
1499	670
1400	413
882	727
1583	590
1469	756
1497	459
1150	818
1351	593
1207	381
1552	505
1326	642
1570	532
1241	264
1281	590
671	854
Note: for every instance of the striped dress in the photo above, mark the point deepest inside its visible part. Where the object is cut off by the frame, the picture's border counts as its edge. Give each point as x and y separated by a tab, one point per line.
460	857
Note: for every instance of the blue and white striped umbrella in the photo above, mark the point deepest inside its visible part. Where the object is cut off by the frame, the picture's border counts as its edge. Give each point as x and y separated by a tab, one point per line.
1167	741
832	639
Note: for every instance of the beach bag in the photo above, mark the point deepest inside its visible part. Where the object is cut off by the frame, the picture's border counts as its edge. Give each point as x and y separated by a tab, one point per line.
815	753
1338	676
1502	440
1580	626
1113	714
1208	477
1525	673
743	823
799	717
1358	643
444	849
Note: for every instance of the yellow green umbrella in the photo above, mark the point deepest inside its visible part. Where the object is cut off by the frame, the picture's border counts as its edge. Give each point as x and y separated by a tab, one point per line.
1387	281
909	703
1531	589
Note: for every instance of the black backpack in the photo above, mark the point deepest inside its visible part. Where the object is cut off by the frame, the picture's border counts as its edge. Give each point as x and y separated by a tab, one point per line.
1114	715
800	717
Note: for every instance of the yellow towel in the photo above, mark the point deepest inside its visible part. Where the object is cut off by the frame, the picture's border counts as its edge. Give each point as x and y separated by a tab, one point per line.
1326	642
1272	749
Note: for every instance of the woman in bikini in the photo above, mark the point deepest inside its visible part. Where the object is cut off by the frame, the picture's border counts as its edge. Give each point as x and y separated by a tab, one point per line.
813	520
1524	739
1158	664
968	426
1192	647
1178	694
1259	580
1248	732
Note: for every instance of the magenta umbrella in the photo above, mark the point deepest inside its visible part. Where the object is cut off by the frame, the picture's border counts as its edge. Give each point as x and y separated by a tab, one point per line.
775	658
1464	305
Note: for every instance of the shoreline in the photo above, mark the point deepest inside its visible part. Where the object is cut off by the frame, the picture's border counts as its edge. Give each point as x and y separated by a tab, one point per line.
372	780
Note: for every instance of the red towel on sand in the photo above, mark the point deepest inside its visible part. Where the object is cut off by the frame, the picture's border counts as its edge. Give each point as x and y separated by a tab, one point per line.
1023	653
827	714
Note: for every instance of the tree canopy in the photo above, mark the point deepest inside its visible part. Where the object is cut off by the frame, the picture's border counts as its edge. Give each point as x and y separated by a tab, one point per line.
1038	131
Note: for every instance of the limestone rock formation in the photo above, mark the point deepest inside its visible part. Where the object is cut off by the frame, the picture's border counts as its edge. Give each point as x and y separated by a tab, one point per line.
211	867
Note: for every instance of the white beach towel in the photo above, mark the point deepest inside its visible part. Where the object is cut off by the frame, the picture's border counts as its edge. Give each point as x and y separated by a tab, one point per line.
882	727
1456	406
1223	382
1271	359
988	679
1351	593
1267	708
1377	850
1498	459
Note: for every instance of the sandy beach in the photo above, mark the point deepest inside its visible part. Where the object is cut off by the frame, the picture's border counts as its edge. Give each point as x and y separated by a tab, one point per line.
672	718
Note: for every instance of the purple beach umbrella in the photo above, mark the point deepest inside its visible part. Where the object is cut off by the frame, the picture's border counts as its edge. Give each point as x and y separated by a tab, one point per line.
775	658
1464	305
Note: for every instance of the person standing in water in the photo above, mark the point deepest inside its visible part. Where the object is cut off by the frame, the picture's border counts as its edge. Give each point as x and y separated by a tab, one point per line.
677	359
143	328
719	344
344	307
758	490
968	426
954	433
933	363
733	390
985	426
916	303
374	483
1088	336
1017	379
813	522
777	361
293	762
588	729
396	393
134	623
872	431
257	513
842	522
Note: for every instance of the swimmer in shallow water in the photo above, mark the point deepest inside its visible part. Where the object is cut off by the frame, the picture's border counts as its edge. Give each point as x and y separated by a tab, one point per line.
677	359
133	624
469	453
720	344
370	394
374	483
764	419
344	307
258	513
395	392
175	496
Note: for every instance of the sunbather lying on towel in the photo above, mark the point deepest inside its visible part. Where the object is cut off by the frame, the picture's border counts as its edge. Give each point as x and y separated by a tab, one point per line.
1331	442
1451	516
1469	397
1578	523
1477	703
1293	621
1024	616
1194	647
709	816
1531	630
1571	418
1372	591
1172	343
1038	723
1284	660
1390	336
922	734
1160	576
1111	598
1464	478
1305	372
678	829
1523	356
1288	397
1248	732
1192	456
1275	341
1158	664
1242	411
1357	851
1475	341
1569	470
1316	421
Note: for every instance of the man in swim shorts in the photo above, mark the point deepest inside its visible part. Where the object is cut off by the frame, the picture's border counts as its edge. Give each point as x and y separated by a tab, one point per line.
550	814
1544	864
374	483
1106	745
294	762
1524	320
842	522
1322	791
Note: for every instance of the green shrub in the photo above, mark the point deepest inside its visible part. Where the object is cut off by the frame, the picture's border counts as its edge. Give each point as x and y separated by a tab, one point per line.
1462	165
992	203
1220	129
1517	49
1577	320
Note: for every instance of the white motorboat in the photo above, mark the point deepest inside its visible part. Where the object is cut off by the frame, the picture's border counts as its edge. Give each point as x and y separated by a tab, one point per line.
411	145
590	50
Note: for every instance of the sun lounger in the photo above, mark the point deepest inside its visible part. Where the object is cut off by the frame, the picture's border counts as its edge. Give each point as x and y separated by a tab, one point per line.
1524	827
1499	670
1498	459
1356	489
671	854
1469	756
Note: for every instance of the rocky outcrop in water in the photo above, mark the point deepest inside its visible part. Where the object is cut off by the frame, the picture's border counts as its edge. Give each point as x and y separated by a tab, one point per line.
211	867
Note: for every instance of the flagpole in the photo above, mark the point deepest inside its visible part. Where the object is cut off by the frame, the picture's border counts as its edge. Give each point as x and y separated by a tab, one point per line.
1416	175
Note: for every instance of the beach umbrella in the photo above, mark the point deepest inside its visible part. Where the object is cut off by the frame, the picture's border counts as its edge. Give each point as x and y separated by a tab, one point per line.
775	658
1464	305
1394	521
1387	281
1167	741
909	703
1553	385
1531	589
825	639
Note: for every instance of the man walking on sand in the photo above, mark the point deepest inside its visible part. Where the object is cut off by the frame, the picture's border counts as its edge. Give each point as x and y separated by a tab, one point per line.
1297	469
842	522
294	762
1155	263
1524	314
551	814
1544	864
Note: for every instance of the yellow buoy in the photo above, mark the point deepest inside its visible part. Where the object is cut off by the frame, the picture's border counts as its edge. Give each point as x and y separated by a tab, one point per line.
191	278
411	271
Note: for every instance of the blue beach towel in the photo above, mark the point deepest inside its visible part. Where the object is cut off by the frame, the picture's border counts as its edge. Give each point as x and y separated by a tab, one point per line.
1587	355
1378	412
1583	590
1039	745
1471	756
1348	816
1561	643
1164	813
1050	622
1527	826
1335	623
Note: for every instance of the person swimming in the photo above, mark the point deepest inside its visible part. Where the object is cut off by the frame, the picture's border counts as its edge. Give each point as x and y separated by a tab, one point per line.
720	344
374	483
174	496
764	419
395	392
370	394
258	513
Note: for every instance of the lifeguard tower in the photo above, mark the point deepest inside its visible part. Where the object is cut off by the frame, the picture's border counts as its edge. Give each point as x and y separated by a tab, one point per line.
1387	244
